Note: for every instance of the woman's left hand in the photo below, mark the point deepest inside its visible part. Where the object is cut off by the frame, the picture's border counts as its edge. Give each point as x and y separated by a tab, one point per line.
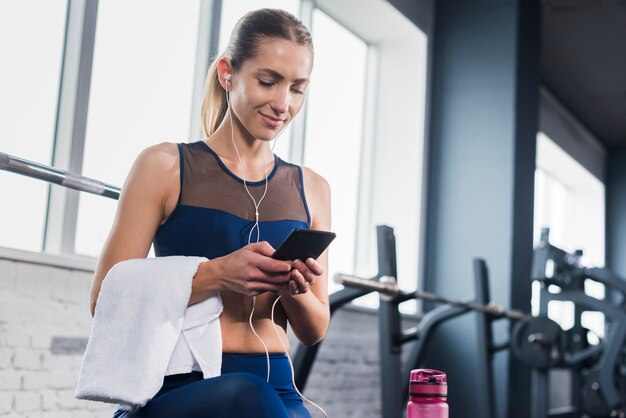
303	275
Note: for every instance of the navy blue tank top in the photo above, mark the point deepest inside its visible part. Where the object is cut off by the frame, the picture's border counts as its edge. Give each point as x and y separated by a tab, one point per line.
214	213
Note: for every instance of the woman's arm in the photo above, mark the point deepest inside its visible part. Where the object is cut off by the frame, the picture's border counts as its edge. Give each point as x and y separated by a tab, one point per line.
308	312
139	210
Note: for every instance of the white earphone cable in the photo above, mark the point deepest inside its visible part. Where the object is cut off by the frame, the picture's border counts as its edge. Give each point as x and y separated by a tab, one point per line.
293	379
256	225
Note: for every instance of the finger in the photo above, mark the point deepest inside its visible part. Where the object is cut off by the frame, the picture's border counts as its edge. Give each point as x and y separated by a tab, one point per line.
270	265
288	288
263	248
303	285
268	277
309	275
298	264
293	287
314	266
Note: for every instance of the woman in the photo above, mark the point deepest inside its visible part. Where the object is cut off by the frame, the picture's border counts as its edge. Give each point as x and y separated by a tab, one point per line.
228	198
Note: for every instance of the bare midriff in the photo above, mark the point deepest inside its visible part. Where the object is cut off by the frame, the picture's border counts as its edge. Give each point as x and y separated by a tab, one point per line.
237	336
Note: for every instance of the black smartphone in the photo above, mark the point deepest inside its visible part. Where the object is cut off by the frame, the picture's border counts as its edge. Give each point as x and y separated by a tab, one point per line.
303	243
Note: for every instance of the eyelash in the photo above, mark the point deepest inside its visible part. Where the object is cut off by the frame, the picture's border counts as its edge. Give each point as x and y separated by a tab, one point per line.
268	85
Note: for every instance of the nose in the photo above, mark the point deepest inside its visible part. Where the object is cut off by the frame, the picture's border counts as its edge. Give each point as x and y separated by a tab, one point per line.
280	101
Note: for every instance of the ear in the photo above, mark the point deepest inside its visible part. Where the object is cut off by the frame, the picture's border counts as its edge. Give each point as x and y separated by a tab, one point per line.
224	68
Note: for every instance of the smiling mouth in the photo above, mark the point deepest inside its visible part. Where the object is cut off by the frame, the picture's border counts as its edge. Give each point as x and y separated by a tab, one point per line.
271	121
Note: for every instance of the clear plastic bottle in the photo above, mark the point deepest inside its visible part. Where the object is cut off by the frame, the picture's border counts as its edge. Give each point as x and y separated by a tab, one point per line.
428	393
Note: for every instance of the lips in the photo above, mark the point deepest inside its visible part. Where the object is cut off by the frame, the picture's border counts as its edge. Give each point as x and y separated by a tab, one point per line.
271	121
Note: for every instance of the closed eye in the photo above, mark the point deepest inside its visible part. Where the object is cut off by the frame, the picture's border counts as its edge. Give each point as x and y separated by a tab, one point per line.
268	84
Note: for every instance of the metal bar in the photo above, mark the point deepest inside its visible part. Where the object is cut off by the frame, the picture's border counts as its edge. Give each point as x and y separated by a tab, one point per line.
388	286
390	361
344	296
607	277
386	243
540	383
495	347
564	412
484	337
57	176
390	332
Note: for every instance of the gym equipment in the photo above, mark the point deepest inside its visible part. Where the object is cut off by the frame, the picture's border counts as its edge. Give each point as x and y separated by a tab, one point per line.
57	176
387	286
539	341
394	385
598	371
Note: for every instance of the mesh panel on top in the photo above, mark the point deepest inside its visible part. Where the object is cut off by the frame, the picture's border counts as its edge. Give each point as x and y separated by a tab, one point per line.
207	182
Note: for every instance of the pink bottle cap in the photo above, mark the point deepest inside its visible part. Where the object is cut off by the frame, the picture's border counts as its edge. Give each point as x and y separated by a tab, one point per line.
429	383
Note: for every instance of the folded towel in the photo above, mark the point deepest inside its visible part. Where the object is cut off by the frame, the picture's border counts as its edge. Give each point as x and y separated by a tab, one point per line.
141	314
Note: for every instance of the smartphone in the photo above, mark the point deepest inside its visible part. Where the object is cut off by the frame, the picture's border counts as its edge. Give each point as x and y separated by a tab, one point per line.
303	243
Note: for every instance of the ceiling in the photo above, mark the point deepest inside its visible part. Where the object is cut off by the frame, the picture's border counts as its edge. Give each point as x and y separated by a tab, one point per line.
583	63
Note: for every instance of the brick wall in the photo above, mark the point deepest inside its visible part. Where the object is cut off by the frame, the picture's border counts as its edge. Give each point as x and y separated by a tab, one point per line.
45	321
344	379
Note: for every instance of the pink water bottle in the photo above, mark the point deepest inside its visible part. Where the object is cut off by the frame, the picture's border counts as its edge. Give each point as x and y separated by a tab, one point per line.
428	392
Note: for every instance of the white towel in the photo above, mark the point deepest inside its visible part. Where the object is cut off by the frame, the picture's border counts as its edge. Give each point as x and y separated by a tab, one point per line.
141	314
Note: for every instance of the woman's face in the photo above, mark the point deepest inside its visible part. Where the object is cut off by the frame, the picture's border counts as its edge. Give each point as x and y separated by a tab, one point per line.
268	90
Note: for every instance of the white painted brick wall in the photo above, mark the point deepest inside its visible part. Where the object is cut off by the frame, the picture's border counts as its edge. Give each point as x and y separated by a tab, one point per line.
38	303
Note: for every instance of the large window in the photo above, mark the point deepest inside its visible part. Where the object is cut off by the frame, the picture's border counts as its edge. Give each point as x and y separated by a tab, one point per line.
570	201
361	126
141	94
334	126
31	47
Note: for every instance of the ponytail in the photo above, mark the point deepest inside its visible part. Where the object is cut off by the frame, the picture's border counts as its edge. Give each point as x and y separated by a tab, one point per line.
214	104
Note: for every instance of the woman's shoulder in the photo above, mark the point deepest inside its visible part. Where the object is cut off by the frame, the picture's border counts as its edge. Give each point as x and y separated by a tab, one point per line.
314	179
157	158
160	161
161	152
316	186
317	192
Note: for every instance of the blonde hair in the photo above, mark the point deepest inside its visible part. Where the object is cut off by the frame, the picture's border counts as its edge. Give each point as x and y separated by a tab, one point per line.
249	30
214	104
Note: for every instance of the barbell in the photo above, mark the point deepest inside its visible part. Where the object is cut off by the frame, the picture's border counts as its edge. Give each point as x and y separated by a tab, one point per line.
538	341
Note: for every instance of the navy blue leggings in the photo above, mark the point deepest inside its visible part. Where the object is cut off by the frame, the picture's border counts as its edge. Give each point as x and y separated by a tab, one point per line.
241	391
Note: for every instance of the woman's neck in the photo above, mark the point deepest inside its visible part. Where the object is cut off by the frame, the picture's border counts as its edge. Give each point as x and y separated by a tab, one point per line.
251	150
256	155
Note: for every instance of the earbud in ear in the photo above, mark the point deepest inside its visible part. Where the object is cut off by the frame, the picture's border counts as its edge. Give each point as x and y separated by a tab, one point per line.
227	78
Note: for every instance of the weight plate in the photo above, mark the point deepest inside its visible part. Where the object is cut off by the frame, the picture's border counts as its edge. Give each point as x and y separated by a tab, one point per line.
538	341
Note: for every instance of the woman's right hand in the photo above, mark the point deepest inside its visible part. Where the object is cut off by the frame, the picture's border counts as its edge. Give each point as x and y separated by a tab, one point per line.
251	270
